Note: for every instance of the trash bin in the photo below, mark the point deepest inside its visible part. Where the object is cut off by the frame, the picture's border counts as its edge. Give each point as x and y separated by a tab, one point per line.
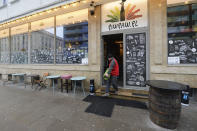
185	96
92	87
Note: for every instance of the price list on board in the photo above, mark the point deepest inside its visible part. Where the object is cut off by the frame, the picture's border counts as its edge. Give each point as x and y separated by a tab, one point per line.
136	59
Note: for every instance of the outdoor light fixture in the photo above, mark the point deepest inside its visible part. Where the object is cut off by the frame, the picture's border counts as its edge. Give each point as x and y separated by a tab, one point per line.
186	2
92	8
84	1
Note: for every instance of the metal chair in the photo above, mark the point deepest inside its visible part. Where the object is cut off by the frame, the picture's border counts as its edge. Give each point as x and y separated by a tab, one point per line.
42	83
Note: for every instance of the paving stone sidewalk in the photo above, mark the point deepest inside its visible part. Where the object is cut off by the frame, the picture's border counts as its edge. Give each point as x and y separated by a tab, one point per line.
24	109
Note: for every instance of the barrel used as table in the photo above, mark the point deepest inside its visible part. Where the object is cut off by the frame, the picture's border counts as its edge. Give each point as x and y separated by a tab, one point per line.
165	102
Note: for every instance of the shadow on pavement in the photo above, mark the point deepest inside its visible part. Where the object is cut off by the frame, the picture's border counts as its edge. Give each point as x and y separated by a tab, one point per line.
104	106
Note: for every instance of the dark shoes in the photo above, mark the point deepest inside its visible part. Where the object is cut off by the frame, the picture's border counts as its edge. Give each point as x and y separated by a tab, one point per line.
105	95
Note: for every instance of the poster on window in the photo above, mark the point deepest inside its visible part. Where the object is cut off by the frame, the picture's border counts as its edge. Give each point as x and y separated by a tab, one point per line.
124	14
182	51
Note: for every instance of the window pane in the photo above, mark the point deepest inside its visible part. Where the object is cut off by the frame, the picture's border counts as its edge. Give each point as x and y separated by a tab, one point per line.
4	47
72	38
19	44
194	18
42	42
182	34
4	2
5	55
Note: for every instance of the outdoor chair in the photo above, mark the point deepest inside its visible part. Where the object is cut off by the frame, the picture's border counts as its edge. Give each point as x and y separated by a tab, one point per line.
42	83
66	84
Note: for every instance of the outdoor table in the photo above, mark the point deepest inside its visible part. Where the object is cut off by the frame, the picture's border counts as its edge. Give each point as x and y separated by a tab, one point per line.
81	79
53	78
165	102
33	78
20	75
8	79
9	74
66	78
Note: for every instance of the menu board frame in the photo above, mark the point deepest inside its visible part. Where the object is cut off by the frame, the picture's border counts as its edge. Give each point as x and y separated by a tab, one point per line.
146	56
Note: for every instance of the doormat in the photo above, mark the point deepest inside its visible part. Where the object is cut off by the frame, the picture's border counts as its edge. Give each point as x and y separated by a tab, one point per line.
104	106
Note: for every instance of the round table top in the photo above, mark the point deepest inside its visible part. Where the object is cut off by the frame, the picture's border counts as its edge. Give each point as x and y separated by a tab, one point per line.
53	77
9	73
66	76
18	74
79	78
168	85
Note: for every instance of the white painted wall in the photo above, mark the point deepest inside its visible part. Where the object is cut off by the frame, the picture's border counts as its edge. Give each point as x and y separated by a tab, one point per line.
22	6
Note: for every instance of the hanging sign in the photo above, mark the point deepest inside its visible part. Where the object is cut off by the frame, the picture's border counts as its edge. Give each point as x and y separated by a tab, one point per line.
124	15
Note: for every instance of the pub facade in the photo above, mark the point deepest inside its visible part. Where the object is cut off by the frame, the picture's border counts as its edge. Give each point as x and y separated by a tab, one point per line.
151	39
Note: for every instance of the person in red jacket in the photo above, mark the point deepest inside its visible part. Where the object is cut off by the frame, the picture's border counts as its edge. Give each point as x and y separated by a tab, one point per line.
113	73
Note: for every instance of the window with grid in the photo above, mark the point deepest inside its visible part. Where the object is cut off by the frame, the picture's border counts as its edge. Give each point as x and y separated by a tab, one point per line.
182	34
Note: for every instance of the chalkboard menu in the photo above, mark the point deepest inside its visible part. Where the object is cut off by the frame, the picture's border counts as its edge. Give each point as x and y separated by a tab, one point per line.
182	51
136	59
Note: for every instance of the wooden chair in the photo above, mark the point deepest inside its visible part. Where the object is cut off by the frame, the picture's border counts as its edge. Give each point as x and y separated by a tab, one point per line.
42	82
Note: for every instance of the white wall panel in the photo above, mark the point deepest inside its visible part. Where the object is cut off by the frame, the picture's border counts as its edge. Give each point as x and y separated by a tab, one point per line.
18	7
46	2
22	6
3	14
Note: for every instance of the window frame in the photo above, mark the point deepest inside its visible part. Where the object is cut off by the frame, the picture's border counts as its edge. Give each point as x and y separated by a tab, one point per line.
177	65
29	38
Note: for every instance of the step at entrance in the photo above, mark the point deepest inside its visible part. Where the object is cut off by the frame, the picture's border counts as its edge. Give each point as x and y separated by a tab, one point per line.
126	94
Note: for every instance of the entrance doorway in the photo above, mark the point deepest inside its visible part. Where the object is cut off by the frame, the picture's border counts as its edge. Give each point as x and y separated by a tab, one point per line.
113	44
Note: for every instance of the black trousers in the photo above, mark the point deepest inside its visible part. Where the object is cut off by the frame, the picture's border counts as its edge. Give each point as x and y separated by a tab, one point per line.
114	81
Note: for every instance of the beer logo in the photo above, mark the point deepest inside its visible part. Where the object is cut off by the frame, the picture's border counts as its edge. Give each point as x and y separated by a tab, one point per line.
130	13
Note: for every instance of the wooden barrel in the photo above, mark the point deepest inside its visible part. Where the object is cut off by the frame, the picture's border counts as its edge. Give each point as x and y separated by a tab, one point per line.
165	107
